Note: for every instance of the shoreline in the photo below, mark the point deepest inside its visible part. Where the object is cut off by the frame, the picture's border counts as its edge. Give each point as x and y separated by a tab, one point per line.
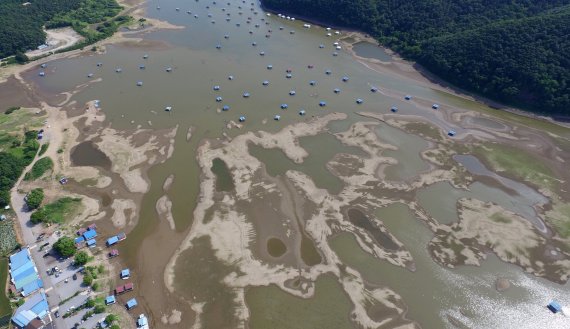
425	73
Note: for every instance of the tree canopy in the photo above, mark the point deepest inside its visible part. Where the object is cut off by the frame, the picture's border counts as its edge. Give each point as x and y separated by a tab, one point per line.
515	51
65	246
35	198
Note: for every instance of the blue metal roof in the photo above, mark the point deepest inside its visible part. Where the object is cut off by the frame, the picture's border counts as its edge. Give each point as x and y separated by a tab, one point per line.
22	281
20	258
89	234
32	287
110	300
22	269
79	239
35	307
132	303
112	240
91	242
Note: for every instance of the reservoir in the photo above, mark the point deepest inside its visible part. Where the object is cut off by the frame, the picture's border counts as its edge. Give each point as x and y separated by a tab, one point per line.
187	72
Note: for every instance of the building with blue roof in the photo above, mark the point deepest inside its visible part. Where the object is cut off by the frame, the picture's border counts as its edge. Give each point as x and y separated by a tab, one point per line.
91	243
23	272
125	274
35	308
132	303
90	234
554	307
78	240
110	300
112	240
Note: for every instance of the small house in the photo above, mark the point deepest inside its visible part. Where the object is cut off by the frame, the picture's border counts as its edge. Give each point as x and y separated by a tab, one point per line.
90	234
125	274
112	240
109	300
91	243
554	307
132	303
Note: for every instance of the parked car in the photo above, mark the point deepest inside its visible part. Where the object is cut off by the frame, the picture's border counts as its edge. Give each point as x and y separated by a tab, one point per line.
56	314
74	276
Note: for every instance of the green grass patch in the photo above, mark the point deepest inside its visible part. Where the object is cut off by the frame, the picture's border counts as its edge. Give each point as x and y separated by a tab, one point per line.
519	164
500	218
5	308
559	217
57	211
43	149
39	168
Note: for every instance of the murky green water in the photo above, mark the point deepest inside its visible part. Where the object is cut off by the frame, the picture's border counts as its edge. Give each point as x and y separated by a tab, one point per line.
197	66
87	154
433	292
224	180
369	50
273	308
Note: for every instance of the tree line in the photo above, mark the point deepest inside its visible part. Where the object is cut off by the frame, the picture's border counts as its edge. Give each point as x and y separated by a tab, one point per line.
21	24
515	51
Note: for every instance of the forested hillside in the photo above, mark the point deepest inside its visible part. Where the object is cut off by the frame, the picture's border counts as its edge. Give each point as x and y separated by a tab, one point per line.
514	51
21	22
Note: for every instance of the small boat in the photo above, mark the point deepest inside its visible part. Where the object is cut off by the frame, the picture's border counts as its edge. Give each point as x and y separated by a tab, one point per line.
302	112
407	97
292	32
269	67
435	106
238	24
142	67
277	117
292	93
168	108
322	103
265	83
394	109
289	76
311	66
335	54
216	87
90	75
373	89
42	74
139	83
99	64
177	9
284	106
225	108
168	69
210	15
145	56
307	26
195	16
230	77
261	53
329	34
226	36
312	82
281	28
345	79
242	118
338	48
321	46
218	46
289	70
158	7
336	91
219	99
43	66
119	70
246	95
451	133
328	72
359	101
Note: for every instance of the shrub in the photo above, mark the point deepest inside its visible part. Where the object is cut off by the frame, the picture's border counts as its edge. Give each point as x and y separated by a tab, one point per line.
35	198
81	258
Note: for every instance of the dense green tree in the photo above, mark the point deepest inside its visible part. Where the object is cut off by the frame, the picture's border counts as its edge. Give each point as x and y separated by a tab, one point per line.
111	318
65	246
81	258
35	198
515	51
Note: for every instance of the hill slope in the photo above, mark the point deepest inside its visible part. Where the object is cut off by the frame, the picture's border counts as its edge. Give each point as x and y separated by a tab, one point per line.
514	51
